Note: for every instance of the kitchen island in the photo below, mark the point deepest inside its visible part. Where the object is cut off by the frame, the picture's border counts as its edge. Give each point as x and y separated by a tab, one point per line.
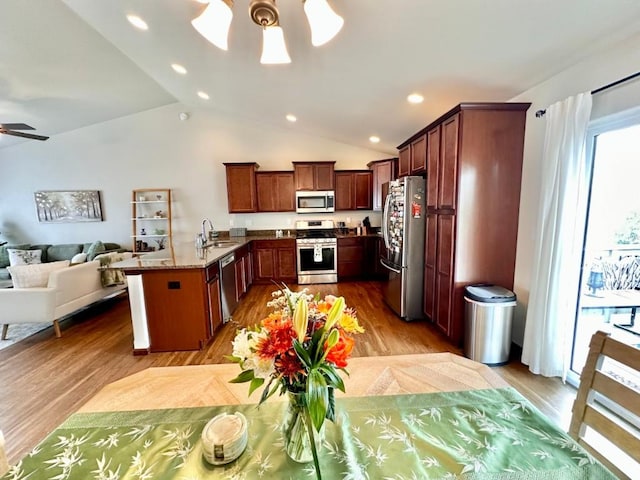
175	295
179	299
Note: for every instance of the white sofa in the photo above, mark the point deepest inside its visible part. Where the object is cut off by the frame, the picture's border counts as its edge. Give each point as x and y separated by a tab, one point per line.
68	289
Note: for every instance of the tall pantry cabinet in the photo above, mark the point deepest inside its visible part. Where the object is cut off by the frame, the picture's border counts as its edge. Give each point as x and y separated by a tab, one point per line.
474	169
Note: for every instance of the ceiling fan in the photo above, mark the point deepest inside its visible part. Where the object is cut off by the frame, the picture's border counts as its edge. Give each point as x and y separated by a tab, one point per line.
12	129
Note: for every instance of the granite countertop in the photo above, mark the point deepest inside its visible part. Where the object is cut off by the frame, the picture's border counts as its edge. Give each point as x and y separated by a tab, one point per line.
183	255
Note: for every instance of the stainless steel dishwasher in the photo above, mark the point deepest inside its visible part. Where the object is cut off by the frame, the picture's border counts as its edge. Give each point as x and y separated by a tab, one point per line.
228	286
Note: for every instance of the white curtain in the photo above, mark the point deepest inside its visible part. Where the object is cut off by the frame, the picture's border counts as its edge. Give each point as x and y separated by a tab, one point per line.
554	283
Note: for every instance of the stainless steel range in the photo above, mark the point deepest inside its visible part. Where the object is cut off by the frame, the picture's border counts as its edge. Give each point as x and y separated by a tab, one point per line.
317	250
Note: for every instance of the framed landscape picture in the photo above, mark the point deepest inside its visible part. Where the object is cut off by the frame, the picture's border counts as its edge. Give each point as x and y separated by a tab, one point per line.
68	206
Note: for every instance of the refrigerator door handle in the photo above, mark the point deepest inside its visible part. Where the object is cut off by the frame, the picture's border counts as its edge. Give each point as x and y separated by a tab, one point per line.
385	221
386	265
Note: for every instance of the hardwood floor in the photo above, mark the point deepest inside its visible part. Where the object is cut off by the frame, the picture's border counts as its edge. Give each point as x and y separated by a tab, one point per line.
44	379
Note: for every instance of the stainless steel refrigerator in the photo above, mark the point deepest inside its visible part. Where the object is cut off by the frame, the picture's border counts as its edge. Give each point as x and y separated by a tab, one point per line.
403	224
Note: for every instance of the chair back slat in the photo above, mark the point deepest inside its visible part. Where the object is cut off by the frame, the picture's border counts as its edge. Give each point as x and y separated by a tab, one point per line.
617	392
622	353
607	405
613	432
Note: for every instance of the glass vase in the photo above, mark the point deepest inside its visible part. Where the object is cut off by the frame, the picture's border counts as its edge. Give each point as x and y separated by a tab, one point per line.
295	431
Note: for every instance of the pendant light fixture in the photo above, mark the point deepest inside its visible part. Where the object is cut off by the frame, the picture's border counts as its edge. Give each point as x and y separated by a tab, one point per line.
324	22
265	14
215	20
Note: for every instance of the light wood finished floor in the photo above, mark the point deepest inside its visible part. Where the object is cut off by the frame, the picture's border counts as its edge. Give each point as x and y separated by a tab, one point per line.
206	385
44	379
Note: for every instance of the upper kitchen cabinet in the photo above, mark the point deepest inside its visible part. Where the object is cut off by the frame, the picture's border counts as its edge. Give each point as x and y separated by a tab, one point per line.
404	161
353	190
413	156
383	171
474	170
241	187
433	165
442	164
275	191
314	175
418	156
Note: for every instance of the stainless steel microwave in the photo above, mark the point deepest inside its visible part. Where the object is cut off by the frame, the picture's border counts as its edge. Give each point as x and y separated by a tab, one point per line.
315	201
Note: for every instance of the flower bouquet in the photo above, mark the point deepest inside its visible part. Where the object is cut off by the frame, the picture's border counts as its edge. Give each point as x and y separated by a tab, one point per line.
299	349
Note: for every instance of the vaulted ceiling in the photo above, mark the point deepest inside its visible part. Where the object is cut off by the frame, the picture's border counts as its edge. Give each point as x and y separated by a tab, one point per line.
66	64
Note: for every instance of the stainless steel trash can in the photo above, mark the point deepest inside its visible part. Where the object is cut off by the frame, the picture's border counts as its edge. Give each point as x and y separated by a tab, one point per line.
488	319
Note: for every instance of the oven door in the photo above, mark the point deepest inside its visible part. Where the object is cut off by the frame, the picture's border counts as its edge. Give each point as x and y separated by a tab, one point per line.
317	264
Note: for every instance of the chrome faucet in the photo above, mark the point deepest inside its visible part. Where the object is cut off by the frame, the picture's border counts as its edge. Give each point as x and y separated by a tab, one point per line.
204	233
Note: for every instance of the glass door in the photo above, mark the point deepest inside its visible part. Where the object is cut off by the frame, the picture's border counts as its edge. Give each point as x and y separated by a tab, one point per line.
609	292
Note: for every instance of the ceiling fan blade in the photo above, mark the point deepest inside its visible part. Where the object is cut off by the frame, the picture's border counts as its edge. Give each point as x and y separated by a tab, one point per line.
31	136
16	126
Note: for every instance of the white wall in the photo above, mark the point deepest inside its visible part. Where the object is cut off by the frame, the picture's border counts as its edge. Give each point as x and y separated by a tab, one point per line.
154	149
597	70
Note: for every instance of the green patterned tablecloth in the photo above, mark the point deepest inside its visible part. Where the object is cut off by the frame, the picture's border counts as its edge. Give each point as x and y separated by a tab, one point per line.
479	434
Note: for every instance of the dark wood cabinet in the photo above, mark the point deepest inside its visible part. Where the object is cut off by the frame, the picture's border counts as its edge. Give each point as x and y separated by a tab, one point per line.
344	191
431	240
433	166
353	190
418	155
363	182
241	187
404	161
351	257
178	306
474	170
448	178
383	171
412	156
243	271
314	175
275	191
213	303
445	248
274	260
212	277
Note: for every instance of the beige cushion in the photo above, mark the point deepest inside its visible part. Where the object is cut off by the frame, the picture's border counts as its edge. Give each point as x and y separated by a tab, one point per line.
36	275
24	257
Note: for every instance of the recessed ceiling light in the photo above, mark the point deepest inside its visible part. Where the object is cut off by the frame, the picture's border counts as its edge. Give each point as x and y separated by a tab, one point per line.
374	139
179	68
137	22
203	95
415	98
292	118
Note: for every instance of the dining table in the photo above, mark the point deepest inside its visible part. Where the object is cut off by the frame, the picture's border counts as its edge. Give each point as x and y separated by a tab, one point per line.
419	416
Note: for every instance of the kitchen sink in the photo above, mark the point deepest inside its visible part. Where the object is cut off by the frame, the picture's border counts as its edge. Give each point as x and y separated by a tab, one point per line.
222	243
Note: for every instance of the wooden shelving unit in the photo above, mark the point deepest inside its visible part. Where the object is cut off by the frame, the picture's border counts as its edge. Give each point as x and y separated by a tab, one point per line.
151	219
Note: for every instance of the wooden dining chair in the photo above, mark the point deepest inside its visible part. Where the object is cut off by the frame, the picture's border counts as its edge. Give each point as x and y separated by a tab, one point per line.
608	403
